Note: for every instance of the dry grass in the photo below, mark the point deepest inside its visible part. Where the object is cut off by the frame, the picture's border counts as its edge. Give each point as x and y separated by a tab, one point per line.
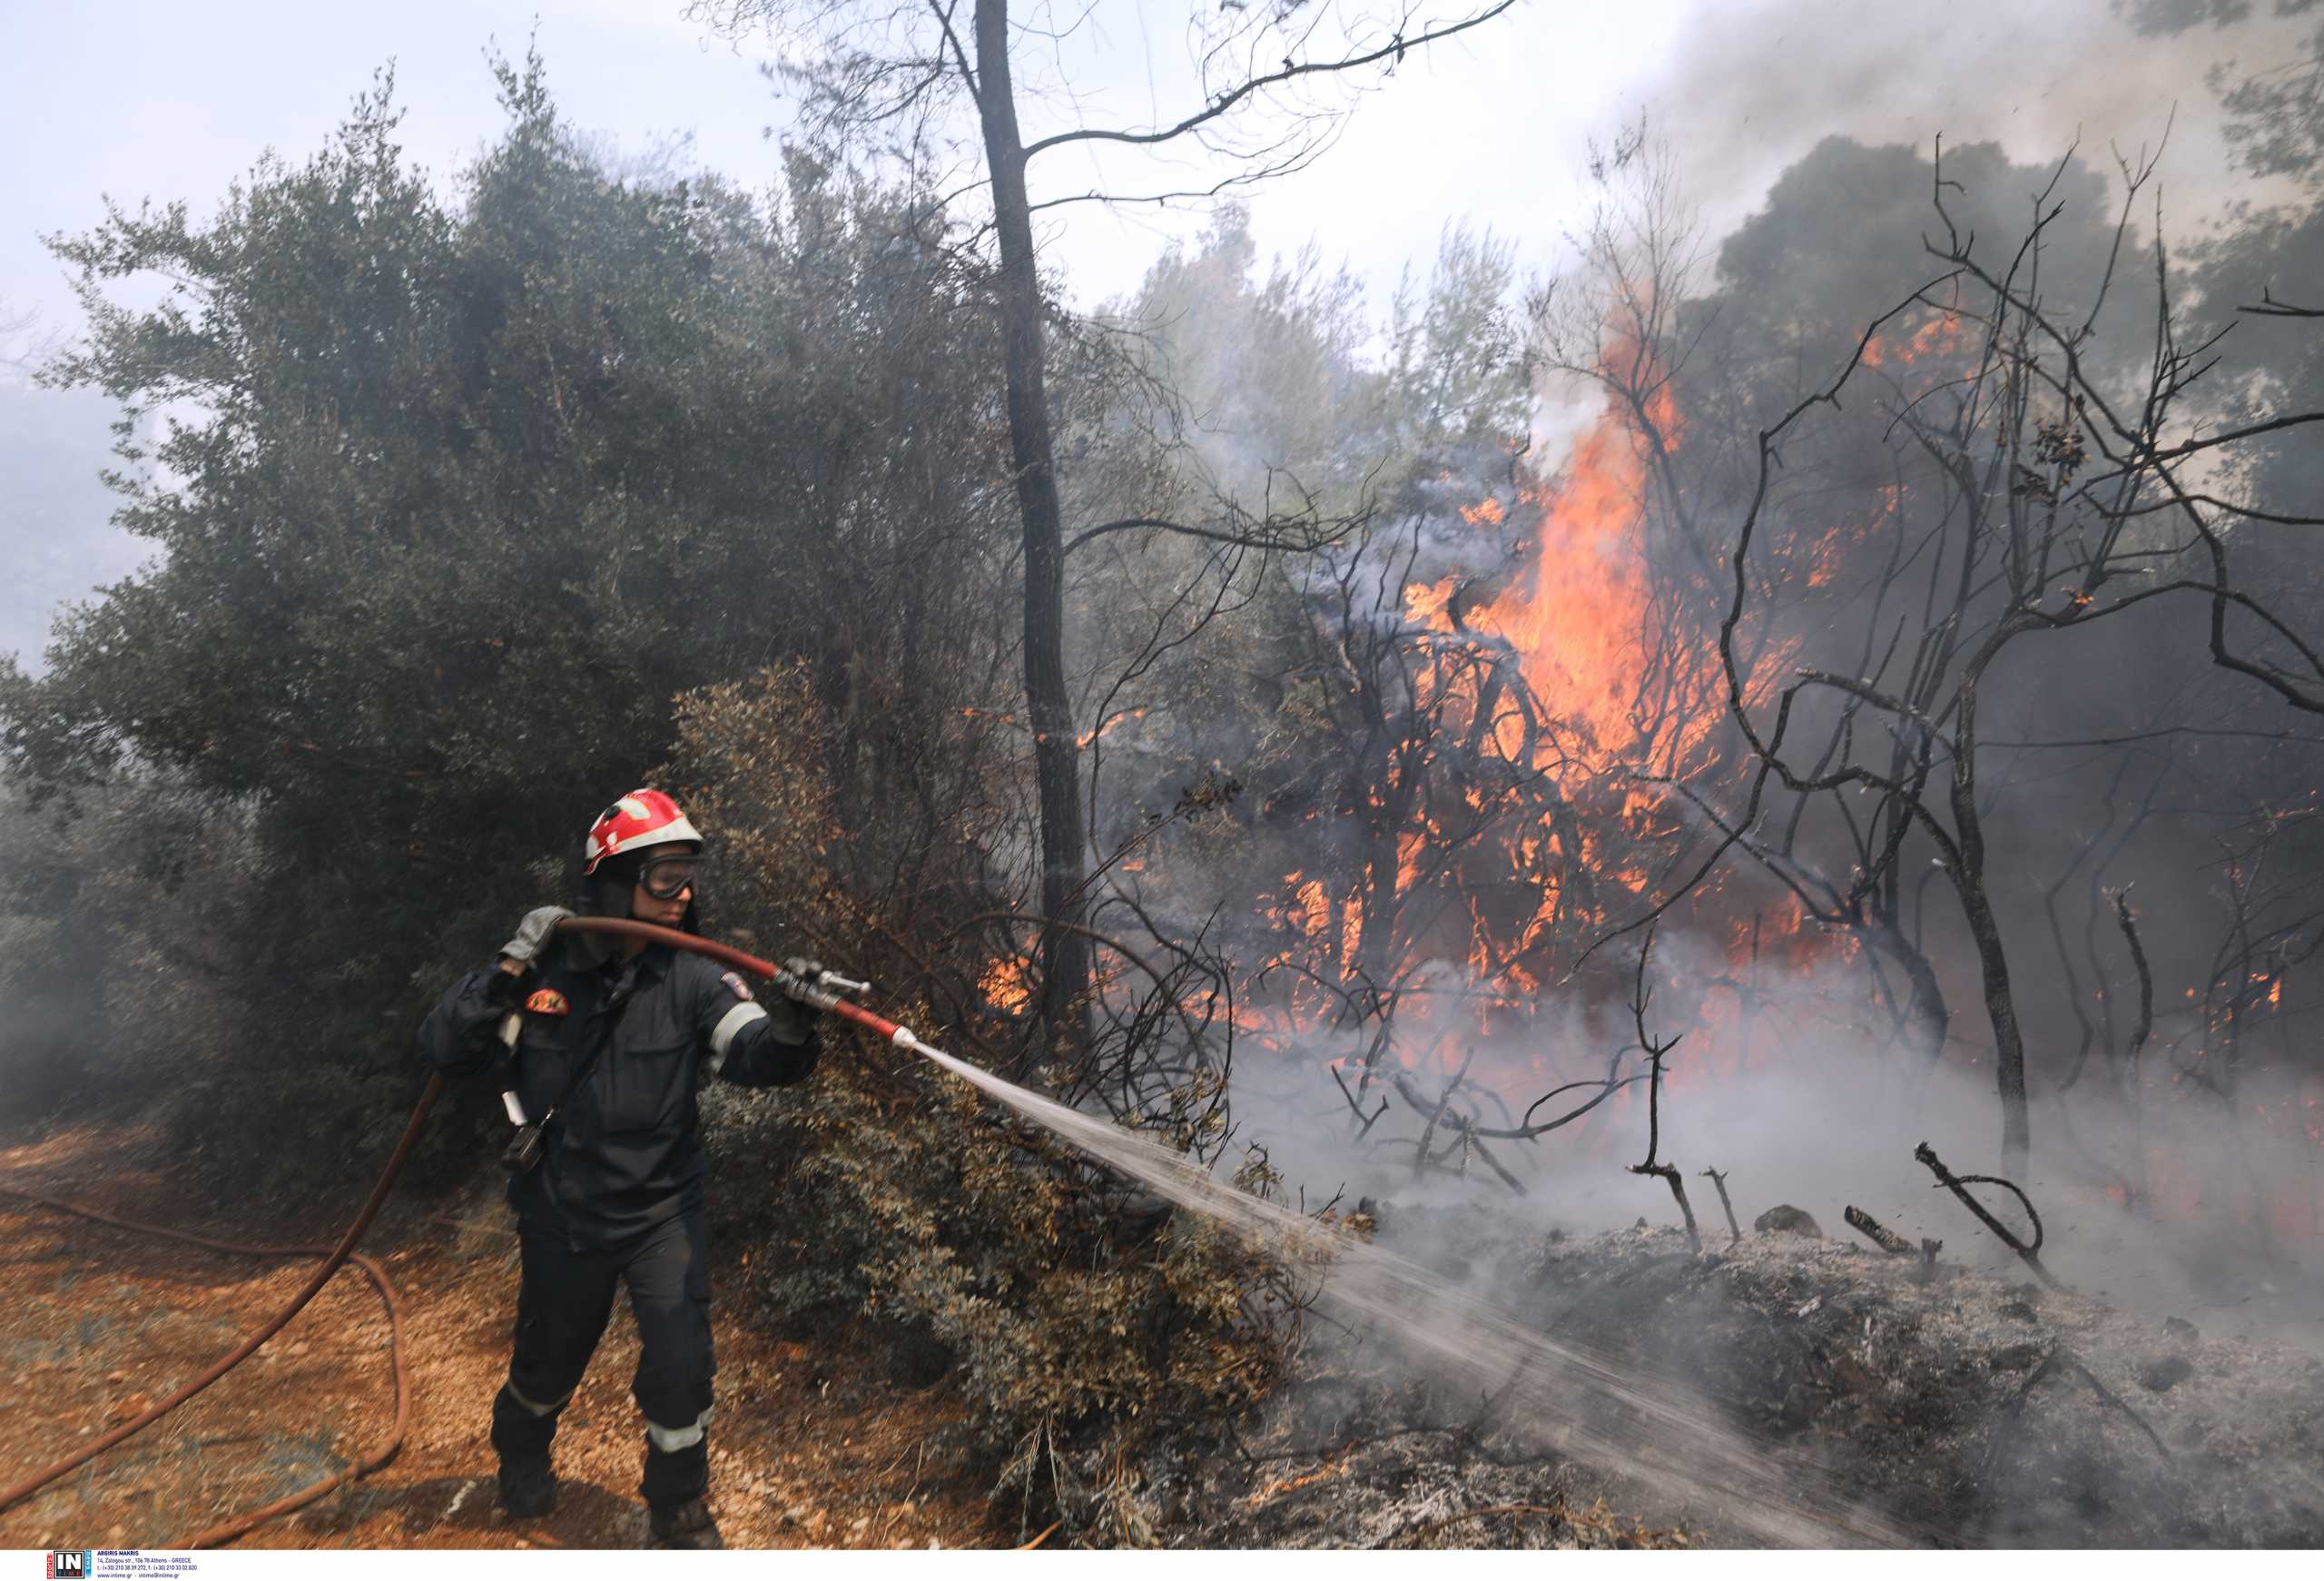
810	1447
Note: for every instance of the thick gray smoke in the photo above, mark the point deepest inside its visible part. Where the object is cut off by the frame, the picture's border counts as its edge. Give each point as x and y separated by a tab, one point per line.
1754	86
1818	1118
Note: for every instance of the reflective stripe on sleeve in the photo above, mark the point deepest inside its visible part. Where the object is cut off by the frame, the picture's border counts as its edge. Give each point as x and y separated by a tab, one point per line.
734	1021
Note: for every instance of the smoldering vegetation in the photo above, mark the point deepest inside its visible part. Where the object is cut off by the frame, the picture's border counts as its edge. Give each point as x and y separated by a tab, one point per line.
1743	706
1894	1406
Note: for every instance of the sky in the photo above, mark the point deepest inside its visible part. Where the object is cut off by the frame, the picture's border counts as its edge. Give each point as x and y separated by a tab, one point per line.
135	99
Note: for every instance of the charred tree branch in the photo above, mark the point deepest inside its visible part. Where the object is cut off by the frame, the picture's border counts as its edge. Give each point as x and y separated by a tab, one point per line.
1959	1186
1734	1231
2269	307
1640	997
1879	1234
1357	1108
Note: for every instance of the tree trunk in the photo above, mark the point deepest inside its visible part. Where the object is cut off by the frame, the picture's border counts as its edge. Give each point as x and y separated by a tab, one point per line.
1065	956
1992	961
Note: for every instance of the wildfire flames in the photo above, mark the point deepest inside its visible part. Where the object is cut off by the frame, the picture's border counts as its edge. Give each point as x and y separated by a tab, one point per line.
1006	985
1553	705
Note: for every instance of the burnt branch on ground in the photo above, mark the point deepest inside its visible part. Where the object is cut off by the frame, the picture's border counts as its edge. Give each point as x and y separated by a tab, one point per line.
1959	1186
1879	1234
1734	1231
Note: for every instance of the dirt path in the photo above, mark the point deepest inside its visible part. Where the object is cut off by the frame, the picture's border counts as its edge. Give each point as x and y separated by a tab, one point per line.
808	1449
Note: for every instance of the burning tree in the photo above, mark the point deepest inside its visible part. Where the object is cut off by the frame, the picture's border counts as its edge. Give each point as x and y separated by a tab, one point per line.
1265	109
1836	608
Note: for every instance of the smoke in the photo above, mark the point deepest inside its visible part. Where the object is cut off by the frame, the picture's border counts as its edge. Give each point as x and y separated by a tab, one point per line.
1754	86
1817	1116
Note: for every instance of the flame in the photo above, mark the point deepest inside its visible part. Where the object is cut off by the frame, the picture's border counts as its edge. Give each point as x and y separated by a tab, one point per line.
1588	666
1337	1466
1088	739
1567	635
1006	983
1572	616
1940	336
1314	914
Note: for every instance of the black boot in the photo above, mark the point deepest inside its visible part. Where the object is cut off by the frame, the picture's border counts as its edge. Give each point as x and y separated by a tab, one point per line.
527	1487
682	1526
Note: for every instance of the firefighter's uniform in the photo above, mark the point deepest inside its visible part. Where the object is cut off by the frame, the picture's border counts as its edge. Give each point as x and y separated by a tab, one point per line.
618	1193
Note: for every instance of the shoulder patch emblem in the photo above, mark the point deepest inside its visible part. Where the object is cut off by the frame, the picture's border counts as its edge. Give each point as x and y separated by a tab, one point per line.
742	989
548	1002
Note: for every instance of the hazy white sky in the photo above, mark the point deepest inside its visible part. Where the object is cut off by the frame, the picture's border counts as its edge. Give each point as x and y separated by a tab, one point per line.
142	98
136	98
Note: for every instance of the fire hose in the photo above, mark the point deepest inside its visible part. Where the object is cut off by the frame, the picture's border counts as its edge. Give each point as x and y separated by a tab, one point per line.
820	992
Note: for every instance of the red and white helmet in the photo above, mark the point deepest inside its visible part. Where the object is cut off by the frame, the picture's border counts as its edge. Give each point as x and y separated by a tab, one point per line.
640	819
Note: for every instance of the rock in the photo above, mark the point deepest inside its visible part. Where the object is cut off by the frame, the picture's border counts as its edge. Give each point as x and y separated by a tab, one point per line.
2018	1357
1785	1219
2164	1371
2179	1329
2020	1310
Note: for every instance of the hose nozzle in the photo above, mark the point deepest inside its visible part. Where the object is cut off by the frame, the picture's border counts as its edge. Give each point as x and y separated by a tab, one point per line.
823	990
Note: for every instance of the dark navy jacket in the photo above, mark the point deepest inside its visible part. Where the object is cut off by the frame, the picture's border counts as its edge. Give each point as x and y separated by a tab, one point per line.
624	1153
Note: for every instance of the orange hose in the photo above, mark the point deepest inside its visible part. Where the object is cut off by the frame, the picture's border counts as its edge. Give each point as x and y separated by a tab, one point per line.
622	927
228	1530
337	1256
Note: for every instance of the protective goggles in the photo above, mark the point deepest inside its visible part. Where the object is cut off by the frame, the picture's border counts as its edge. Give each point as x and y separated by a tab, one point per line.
668	877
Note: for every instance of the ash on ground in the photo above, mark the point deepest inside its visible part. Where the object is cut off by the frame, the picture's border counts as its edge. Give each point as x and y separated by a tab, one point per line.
1964	1409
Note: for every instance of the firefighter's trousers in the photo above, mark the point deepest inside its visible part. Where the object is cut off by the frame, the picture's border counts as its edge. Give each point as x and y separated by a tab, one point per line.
562	1308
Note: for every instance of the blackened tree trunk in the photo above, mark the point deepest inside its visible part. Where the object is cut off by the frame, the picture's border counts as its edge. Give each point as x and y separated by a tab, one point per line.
1985	927
1065	955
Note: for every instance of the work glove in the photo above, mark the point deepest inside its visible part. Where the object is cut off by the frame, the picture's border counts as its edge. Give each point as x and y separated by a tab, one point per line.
808	971
532	934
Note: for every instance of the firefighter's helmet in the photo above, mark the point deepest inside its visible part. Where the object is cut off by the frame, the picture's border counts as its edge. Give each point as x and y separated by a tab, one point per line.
642	819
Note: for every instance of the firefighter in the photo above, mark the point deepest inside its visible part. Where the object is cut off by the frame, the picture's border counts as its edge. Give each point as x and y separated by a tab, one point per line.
602	1041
